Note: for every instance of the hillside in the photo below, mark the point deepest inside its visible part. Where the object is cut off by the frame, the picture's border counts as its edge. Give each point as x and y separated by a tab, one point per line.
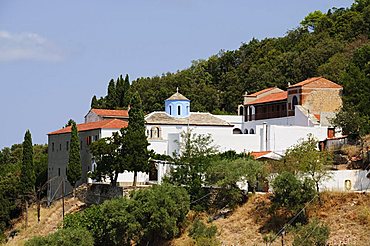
51	218
323	44
347	215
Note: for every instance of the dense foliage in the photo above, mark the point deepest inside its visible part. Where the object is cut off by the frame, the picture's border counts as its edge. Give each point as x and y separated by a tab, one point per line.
314	233
123	151
151	215
64	237
27	169
74	167
11	192
291	193
322	45
134	145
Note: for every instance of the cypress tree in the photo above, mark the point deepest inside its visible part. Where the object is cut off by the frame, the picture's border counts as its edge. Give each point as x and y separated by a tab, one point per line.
74	168
120	91
135	143
94	102
126	88
27	169
111	99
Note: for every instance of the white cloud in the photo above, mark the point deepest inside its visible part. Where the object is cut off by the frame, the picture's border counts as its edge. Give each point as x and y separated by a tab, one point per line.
27	46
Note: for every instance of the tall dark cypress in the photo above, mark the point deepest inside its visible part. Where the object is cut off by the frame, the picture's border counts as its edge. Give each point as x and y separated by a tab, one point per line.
111	99
126	89
27	170
74	168
120	91
135	143
94	102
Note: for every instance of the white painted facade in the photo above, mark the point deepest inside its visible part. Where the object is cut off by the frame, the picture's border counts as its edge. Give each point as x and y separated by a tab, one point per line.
347	180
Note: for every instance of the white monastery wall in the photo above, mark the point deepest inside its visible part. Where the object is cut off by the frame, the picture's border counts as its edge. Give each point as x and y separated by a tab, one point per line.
346	180
280	138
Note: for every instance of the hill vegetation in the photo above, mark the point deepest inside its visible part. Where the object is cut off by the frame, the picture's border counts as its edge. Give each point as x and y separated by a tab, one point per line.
334	45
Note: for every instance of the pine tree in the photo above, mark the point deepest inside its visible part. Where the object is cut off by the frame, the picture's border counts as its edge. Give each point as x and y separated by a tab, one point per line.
27	170
135	143
126	88
120	90
111	99
74	168
94	102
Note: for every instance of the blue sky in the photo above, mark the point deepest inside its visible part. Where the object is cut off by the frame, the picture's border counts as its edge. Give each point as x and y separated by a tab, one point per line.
55	55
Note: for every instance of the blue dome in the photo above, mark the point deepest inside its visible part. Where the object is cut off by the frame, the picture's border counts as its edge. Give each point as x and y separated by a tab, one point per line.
177	106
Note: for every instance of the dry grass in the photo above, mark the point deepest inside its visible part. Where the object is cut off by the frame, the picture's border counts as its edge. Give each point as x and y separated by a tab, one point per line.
347	215
351	150
51	218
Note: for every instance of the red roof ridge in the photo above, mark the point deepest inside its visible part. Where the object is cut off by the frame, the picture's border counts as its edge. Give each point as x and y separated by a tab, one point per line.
257	154
103	124
277	96
313	79
110	112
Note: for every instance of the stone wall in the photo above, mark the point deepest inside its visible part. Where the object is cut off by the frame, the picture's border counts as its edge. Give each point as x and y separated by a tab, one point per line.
321	100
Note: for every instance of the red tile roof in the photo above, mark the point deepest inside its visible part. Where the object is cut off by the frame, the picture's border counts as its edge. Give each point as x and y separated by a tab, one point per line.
259	154
261	92
320	82
104	124
279	96
110	112
317	116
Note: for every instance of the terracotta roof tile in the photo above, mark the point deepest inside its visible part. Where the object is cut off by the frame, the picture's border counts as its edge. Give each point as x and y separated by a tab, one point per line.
110	112
320	82
104	124
279	96
259	154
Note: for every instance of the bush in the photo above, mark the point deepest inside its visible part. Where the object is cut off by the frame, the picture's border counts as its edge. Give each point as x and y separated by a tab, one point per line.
291	193
111	223
64	237
203	235
314	233
151	215
161	211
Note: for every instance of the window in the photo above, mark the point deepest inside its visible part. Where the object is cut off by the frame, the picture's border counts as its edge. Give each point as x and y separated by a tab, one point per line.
187	109
88	140
237	131
52	147
294	101
96	138
67	145
246	131
80	144
60	146
170	110
179	110
58	171
251	131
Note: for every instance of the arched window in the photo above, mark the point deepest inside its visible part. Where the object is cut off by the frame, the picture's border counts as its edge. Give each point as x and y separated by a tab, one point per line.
294	101
179	110
170	110
237	131
251	131
241	110
245	131
155	132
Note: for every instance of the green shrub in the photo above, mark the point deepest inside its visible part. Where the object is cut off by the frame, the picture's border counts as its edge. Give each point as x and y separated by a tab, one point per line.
161	210
64	237
203	235
314	233
291	193
151	215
